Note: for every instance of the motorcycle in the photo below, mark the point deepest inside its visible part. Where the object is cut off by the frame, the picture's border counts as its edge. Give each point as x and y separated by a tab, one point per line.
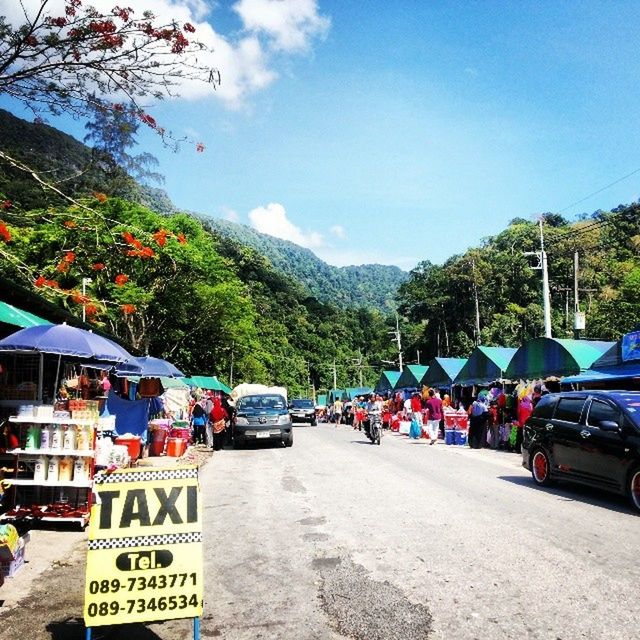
375	427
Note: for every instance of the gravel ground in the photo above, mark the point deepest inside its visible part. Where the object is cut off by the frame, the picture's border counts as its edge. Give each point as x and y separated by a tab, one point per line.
361	608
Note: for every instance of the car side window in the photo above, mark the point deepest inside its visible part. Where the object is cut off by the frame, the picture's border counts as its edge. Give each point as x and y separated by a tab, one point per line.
569	409
544	408
600	411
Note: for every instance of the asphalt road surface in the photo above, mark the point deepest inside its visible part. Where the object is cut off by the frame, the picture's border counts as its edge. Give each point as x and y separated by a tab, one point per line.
336	537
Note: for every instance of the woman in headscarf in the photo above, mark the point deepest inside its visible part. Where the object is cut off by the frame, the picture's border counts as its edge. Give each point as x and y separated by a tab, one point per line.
218	417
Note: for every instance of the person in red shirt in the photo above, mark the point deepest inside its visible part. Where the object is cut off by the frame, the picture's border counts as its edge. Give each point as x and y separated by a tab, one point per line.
434	407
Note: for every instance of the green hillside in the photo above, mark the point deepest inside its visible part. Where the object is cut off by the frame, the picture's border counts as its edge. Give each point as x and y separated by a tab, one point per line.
371	285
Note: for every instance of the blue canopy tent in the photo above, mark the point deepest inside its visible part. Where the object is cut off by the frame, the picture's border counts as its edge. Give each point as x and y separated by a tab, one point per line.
336	394
443	371
354	392
484	366
387	382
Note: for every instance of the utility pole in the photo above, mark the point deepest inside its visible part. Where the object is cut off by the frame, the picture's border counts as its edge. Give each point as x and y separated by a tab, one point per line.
335	376
475	293
231	367
397	338
418	352
542	265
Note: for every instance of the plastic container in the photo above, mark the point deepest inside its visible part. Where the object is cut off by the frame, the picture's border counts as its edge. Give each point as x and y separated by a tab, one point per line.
69	439
53	469
449	437
45	438
460	437
40	469
81	469
176	447
33	437
132	443
181	432
56	437
65	470
158	440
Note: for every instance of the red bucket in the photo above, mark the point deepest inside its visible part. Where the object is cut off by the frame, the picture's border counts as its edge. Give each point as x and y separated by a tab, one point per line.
176	447
133	445
158	439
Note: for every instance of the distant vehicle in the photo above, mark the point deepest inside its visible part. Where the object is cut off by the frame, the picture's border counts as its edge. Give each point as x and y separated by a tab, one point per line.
264	418
303	410
588	437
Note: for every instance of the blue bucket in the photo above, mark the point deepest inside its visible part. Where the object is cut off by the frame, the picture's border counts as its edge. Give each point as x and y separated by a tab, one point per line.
460	437
449	436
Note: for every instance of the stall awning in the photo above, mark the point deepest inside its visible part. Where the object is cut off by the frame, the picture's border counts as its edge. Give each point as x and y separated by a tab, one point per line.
485	364
336	394
19	318
354	392
604	374
411	376
321	400
387	382
554	357
210	383
443	371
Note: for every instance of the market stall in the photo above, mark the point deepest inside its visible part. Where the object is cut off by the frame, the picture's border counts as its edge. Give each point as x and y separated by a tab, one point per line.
484	366
411	377
544	358
442	372
387	382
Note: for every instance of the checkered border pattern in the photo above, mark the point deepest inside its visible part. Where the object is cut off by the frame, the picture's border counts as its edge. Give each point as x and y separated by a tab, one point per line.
145	541
142	476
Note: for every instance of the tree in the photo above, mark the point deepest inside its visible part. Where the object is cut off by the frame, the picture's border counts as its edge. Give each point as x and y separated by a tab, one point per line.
59	63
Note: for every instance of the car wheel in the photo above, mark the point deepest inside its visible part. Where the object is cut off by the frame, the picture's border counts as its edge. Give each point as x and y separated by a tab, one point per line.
541	468
314	423
289	441
238	444
634	488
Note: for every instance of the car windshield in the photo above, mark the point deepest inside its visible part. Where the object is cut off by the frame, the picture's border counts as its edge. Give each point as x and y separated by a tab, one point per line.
302	404
257	403
631	403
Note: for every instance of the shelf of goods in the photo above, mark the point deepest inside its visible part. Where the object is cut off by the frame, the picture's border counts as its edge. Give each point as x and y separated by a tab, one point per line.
54	468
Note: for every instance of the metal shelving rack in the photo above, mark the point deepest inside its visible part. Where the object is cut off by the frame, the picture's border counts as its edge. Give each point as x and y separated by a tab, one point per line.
35	491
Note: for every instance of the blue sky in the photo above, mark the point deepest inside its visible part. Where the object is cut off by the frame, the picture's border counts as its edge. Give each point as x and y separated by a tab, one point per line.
397	132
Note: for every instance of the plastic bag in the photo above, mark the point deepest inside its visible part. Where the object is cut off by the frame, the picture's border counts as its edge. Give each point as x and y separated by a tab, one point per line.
415	431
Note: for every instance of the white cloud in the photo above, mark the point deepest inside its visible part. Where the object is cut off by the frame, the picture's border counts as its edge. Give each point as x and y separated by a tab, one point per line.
229	214
289	25
338	231
273	220
245	59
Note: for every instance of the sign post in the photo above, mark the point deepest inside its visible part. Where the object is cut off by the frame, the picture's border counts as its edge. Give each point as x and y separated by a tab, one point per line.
144	561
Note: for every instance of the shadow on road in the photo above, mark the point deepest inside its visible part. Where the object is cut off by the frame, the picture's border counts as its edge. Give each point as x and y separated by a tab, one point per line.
74	629
576	493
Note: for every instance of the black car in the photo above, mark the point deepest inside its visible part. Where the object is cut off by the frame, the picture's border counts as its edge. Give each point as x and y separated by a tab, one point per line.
589	437
303	410
264	418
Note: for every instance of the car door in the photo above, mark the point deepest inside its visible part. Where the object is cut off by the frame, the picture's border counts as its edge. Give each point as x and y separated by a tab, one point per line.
565	438
604	452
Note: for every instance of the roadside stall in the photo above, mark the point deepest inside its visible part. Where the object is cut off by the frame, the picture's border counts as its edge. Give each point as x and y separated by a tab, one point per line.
387	382
411	378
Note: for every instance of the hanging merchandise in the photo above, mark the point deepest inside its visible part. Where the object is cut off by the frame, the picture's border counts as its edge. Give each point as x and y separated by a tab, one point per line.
149	387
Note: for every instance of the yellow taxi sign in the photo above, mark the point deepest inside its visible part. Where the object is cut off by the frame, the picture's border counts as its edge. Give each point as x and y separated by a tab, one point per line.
144	561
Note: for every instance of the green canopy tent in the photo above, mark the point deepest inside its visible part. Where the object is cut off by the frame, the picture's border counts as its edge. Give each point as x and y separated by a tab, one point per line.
484	366
354	392
411	376
336	394
554	358
387	381
19	318
167	383
321	400
211	383
443	371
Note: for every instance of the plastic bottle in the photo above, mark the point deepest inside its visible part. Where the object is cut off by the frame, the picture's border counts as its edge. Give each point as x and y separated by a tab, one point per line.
81	469
41	469
69	439
45	437
53	469
83	438
65	470
33	437
56	437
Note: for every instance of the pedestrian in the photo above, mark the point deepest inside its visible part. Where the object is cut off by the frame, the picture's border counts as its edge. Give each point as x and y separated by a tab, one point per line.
218	418
416	408
477	412
434	408
337	411
525	409
208	408
198	422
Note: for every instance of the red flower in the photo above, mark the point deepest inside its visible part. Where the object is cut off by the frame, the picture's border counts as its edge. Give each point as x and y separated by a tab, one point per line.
161	237
52	283
70	224
5	234
118	107
128	308
7	204
147	119
31	40
199	147
189	27
62	267
102	26
98	266
181	238
40	282
57	22
79	298
70	11
146	252
121	279
91	309
69	257
100	197
180	43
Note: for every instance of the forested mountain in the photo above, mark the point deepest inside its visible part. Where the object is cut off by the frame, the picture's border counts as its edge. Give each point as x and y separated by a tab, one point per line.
369	285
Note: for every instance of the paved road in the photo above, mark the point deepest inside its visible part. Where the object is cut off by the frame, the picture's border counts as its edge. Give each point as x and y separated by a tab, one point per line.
336	537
